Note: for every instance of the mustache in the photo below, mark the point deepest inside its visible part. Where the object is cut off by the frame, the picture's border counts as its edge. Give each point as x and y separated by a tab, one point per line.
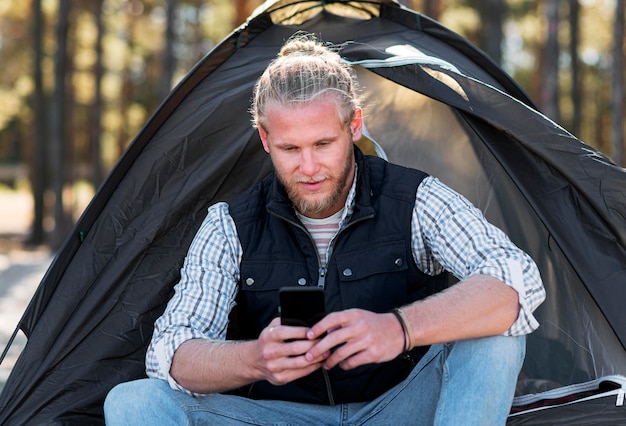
313	179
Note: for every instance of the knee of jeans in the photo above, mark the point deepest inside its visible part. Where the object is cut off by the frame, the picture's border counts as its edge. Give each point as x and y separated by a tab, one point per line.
511	348
503	350
134	396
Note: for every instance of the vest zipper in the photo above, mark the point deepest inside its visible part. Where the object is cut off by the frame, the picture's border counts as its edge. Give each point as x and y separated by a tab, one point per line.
322	271
321	281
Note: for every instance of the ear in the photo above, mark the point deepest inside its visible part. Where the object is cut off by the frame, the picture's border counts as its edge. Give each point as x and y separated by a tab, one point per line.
263	135
356	125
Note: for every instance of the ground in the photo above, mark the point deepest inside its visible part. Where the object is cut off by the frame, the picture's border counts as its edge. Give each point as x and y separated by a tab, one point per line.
21	270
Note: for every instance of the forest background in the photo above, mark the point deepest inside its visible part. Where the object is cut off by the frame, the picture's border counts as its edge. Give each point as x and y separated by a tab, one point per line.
80	78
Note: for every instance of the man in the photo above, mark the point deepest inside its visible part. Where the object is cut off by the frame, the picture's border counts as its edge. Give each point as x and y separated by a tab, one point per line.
396	346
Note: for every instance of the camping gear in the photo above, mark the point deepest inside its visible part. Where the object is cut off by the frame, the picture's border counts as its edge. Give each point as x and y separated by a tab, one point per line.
433	102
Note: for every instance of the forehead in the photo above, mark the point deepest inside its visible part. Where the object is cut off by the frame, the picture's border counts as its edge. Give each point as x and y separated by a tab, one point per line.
320	113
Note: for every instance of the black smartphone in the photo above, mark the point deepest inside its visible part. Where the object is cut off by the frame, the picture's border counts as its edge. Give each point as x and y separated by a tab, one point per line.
301	306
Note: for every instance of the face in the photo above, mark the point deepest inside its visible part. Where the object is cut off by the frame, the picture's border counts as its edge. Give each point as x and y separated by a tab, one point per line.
312	153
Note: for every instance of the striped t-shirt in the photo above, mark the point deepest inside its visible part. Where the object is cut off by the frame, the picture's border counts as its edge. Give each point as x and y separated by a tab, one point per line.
322	231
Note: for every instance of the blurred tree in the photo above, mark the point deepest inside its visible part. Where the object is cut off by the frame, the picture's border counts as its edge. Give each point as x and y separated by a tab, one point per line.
549	101
433	8
58	150
198	42
430	8
617	94
243	9
492	15
169	59
96	107
126	93
575	89
38	161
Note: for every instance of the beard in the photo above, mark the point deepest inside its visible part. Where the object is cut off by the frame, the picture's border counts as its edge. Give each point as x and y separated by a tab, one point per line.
312	204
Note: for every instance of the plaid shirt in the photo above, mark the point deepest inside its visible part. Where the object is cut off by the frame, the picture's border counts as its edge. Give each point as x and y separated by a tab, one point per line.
448	232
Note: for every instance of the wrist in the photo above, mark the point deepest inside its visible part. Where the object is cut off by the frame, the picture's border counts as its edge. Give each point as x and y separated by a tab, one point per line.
407	330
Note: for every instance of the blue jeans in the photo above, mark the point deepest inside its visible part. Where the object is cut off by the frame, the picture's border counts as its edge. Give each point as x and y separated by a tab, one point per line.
470	382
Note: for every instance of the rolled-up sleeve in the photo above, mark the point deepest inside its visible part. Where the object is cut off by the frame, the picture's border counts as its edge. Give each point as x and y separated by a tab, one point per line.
449	233
204	296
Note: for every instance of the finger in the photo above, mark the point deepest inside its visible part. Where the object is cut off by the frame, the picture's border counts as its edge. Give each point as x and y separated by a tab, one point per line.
284	376
289	333
276	348
290	366
281	333
325	346
356	360
328	324
344	353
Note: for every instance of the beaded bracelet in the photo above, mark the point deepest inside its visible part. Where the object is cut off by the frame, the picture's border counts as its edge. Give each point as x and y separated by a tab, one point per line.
407	331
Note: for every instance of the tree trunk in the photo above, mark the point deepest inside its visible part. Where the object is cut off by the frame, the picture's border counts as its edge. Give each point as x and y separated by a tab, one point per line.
433	9
492	13
169	60
430	8
576	89
617	94
95	111
57	152
198	43
70	122
243	9
126	94
38	162
550	83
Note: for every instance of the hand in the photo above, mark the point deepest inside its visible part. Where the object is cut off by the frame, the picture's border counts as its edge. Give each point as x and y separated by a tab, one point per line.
359	337
281	353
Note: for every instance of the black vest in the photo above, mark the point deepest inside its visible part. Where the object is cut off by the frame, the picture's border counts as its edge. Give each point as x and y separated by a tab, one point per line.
371	267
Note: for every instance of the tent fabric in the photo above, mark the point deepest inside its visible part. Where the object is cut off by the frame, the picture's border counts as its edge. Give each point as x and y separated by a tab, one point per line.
598	402
432	101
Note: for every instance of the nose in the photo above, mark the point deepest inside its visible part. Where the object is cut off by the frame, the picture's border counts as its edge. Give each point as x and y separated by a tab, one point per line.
309	164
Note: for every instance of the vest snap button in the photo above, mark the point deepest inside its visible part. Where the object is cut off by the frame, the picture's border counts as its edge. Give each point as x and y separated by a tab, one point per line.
249	281
347	272
398	262
301	281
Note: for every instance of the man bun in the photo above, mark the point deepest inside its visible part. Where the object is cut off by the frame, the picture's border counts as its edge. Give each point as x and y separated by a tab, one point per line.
304	70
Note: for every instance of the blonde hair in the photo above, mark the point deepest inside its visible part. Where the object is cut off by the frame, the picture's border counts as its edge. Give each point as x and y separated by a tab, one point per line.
305	70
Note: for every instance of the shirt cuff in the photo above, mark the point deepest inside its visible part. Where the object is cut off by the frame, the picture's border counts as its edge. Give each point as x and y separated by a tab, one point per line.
164	356
526	321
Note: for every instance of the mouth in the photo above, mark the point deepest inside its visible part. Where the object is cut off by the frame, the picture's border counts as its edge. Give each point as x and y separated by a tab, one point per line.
313	185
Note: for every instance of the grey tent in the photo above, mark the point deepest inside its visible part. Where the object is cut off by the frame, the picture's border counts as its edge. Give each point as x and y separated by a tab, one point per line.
433	102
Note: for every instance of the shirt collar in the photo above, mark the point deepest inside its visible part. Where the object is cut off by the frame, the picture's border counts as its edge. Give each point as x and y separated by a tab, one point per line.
350	201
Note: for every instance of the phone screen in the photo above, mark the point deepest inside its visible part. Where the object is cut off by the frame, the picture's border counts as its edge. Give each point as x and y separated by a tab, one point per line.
301	306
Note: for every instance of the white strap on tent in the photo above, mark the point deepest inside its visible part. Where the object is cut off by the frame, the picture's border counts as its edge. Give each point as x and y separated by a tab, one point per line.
404	55
379	149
